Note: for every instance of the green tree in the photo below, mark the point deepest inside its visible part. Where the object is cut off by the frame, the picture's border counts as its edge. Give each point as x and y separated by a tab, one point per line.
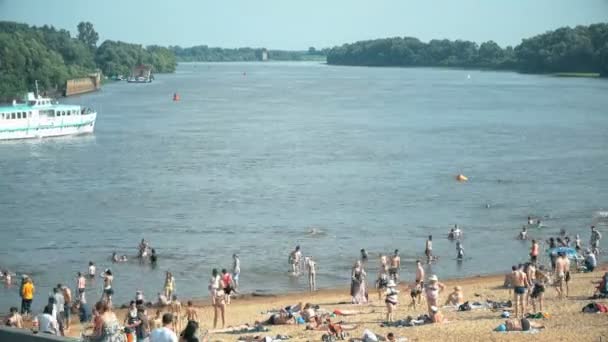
88	35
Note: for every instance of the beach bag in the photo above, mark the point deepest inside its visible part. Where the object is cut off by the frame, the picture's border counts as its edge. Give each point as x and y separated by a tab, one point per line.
464	307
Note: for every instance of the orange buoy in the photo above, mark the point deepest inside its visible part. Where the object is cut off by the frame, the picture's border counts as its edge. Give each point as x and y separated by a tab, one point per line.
175	97
462	178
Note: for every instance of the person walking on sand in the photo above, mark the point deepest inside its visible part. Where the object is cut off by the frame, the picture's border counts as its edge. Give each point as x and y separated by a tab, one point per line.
419	282
236	271
176	309
428	249
311	267
294	260
432	292
219	308
214	285
191	314
391	300
596	236
393	271
562	265
520	287
534	250
382	281
358	286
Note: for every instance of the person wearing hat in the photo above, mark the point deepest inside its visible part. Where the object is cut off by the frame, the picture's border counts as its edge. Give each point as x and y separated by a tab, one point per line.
432	292
455	298
392	299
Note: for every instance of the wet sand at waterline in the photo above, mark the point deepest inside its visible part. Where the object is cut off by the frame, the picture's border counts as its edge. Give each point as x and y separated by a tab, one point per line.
566	321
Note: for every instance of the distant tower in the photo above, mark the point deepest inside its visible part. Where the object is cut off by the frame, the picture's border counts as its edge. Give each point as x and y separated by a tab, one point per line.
264	55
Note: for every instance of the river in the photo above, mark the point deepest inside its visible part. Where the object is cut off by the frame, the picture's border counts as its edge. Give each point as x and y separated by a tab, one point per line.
256	155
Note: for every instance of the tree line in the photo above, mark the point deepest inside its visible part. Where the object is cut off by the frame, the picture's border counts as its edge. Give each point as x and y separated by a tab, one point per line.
583	49
203	53
52	56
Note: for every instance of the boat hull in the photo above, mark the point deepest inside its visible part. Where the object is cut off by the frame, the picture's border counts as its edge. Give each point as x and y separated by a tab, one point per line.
84	126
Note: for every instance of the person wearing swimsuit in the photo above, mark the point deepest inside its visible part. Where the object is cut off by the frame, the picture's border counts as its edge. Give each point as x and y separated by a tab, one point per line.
391	300
520	287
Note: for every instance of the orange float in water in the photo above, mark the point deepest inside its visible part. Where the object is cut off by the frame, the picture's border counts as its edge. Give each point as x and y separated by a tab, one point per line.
461	178
175	97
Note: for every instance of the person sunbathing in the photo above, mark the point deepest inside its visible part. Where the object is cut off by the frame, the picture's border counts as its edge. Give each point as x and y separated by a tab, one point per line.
369	336
455	298
517	324
281	318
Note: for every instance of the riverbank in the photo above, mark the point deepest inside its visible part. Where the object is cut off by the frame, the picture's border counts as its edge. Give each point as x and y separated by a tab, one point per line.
566	322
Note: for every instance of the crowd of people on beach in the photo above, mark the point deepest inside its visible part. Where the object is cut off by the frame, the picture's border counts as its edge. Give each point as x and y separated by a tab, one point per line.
528	282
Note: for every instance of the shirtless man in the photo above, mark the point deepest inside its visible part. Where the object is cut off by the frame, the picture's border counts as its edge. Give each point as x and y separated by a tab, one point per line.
393	271
311	266
520	287
294	260
428	249
108	278
191	314
562	265
176	309
523	235
416	292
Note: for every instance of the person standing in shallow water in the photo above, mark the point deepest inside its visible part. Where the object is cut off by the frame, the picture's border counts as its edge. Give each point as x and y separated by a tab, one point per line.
294	260
428	249
236	271
393	271
311	266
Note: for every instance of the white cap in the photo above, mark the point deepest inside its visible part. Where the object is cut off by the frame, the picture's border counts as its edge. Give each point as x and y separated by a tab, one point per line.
433	278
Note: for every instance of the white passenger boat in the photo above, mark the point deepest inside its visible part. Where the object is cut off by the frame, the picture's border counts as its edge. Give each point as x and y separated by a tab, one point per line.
40	117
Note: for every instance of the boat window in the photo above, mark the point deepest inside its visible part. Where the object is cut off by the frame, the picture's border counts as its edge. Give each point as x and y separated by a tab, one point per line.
12	115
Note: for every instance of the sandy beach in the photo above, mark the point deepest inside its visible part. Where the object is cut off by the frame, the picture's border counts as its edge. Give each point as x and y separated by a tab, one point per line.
566	322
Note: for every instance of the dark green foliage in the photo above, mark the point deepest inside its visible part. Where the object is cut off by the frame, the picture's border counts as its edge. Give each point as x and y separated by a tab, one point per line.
580	49
52	56
88	35
117	58
203	53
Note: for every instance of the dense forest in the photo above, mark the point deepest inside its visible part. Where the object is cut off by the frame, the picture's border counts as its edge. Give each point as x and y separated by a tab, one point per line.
52	56
583	49
203	53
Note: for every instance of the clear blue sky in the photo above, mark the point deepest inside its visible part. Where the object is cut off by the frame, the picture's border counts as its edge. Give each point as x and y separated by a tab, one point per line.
293	24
